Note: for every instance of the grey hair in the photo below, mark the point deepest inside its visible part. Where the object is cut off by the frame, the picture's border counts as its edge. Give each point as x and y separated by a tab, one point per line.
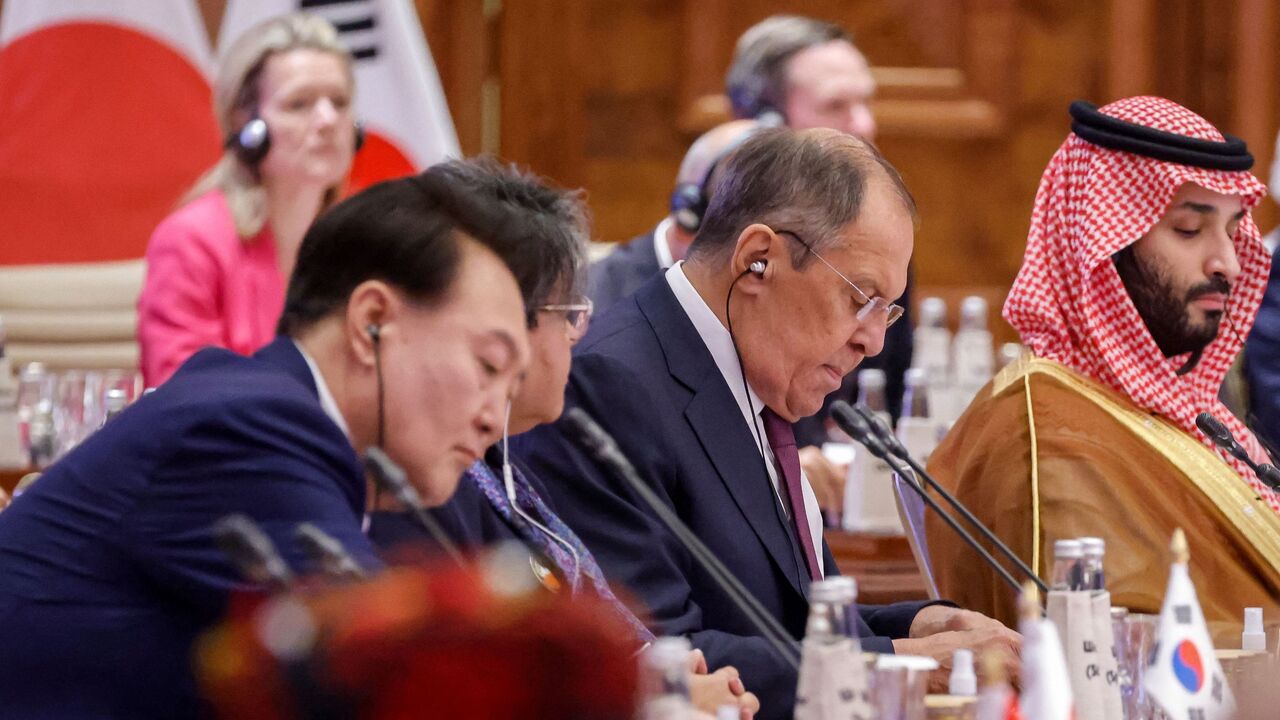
235	101
812	182
757	77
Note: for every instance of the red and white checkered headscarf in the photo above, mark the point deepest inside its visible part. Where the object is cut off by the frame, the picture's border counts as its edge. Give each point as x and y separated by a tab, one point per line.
1069	304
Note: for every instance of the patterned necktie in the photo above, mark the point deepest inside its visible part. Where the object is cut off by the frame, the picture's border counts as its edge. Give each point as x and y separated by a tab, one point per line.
783	441
530	502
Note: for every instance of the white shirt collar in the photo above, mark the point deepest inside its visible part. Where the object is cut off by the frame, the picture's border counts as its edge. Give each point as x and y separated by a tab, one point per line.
327	403
719	342
661	247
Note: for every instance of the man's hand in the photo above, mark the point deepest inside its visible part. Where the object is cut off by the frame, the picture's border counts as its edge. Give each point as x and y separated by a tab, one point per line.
723	687
825	476
938	631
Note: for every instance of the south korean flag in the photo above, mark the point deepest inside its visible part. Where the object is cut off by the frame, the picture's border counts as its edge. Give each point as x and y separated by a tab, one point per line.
1183	675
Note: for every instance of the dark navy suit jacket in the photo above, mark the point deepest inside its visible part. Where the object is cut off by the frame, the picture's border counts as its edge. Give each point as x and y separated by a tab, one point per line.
1262	364
108	568
622	272
646	375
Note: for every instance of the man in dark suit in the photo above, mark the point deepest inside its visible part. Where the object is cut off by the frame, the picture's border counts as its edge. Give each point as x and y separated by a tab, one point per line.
108	566
1262	366
633	263
698	376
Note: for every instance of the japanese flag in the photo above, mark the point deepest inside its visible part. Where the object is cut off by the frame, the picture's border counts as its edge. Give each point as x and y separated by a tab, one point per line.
399	100
1183	675
108	119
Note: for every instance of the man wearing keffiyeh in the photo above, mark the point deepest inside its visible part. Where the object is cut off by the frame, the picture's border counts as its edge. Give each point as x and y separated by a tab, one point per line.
1142	275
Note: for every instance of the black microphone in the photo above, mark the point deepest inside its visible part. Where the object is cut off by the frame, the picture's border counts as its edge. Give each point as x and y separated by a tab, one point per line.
605	449
327	553
860	430
387	474
252	552
1220	434
895	446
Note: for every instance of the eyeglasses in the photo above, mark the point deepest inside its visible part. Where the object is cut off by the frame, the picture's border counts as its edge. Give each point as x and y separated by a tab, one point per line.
866	305
577	314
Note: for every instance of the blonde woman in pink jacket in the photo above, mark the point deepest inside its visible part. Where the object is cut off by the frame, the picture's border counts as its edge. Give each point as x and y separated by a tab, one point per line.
218	266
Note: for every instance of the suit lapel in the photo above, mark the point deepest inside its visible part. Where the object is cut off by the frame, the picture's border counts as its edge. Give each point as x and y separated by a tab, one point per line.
716	420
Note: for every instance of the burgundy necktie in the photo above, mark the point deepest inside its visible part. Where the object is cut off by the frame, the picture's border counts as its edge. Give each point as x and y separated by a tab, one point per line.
783	441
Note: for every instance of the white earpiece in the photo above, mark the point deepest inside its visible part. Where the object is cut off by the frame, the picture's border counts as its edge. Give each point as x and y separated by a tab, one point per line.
757	267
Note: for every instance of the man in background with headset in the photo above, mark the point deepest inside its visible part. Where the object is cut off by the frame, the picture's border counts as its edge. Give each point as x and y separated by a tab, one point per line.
699	374
629	266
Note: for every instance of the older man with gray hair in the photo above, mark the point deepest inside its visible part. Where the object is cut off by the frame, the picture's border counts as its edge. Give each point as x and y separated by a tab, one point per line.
699	374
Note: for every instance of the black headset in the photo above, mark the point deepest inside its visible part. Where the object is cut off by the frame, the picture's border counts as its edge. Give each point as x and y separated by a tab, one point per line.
689	201
252	142
747	96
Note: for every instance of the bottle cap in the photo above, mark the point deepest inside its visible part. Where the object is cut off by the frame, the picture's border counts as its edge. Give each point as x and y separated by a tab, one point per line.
933	312
973	313
1093	546
872	378
827	591
963	680
32	370
846	586
1068	549
915	377
1009	352
1253	637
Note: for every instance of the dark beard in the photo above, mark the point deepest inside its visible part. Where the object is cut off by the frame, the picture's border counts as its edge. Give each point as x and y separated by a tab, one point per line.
1164	311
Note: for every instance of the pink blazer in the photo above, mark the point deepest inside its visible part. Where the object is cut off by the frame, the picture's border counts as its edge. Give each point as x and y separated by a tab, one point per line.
205	286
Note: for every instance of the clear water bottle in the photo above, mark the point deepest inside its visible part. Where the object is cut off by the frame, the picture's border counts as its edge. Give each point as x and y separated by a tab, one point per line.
917	431
915	394
1067	560
34	384
1092	575
664	680
973	351
871	390
42	435
931	347
115	403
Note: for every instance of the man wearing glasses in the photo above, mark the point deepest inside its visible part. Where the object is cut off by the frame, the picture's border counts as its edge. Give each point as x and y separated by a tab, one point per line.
701	372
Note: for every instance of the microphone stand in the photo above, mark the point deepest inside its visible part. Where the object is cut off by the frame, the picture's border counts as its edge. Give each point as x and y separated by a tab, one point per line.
391	476
252	552
895	446
860	430
605	449
325	550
